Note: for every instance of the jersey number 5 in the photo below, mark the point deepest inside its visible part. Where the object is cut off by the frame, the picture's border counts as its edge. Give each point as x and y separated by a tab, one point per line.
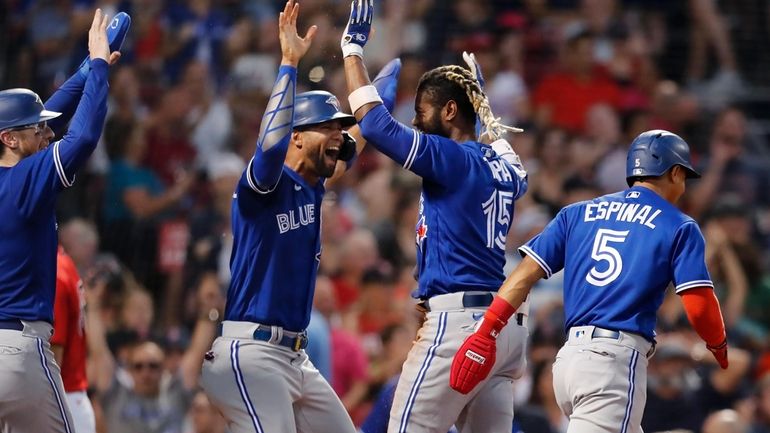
602	251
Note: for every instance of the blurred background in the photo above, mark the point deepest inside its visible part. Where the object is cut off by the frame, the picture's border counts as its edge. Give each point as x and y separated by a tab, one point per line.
147	222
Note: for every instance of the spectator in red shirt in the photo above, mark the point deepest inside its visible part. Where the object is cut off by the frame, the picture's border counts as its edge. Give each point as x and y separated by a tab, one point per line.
563	98
69	341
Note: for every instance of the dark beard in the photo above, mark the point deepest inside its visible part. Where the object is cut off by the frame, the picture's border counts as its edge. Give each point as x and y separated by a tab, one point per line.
433	126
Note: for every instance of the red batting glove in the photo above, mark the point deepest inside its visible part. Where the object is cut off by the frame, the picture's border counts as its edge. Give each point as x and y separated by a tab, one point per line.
476	357
719	352
472	362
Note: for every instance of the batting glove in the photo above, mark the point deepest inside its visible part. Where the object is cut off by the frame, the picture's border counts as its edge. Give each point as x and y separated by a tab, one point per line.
356	33
473	65
347	148
720	353
386	83
476	357
116	34
472	363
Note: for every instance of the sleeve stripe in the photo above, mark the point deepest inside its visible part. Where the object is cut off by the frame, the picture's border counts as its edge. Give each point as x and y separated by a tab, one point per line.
60	168
528	251
253	183
693	284
412	151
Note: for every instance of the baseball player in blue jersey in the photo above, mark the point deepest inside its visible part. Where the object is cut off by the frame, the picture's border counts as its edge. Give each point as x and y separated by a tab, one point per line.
257	373
33	171
464	215
619	253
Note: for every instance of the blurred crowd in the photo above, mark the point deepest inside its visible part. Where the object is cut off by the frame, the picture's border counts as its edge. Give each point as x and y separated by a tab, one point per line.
148	223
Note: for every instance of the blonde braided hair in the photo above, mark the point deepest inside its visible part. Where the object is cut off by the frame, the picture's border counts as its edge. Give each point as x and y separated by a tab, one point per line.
492	127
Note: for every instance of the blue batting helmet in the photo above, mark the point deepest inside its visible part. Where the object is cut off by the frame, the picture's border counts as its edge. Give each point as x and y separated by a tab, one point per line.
652	153
20	107
318	106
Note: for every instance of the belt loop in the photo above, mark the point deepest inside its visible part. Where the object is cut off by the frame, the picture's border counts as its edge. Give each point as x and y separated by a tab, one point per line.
276	334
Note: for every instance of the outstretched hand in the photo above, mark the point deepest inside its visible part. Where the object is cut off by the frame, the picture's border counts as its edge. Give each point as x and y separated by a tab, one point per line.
98	44
293	46
359	27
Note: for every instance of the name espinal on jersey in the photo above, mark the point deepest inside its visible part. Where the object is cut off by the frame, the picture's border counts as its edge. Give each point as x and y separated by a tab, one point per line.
643	214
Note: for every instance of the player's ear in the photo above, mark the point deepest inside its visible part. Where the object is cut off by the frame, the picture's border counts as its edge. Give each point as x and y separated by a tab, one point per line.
296	139
8	139
450	110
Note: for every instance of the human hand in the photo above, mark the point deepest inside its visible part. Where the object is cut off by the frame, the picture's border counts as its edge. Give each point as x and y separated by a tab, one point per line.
98	43
359	26
293	46
472	362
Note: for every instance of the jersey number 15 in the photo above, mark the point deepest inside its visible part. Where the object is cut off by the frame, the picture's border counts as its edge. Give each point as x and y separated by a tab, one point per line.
497	210
604	252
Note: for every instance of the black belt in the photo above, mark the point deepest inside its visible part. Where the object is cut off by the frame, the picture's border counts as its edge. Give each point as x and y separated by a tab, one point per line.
476	300
265	333
615	335
13	324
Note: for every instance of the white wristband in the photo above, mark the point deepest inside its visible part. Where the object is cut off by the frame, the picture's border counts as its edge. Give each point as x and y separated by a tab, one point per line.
352	50
362	96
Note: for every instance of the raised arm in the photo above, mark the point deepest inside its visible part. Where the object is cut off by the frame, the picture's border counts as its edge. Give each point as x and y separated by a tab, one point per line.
83	134
65	99
266	166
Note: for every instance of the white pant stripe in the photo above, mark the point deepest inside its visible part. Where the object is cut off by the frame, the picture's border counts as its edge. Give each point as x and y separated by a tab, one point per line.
242	386
53	385
421	374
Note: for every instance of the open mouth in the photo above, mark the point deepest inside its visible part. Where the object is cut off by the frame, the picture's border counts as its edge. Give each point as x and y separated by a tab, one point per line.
332	152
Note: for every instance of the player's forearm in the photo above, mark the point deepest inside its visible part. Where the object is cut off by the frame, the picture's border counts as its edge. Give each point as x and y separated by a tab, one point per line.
702	309
86	127
99	354
65	100
357	77
517	286
275	130
389	136
203	335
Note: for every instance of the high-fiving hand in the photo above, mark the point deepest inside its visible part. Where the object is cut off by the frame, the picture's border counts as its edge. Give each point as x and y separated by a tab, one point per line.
359	26
98	44
293	46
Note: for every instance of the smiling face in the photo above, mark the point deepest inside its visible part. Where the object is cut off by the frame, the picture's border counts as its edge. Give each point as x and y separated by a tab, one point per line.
321	146
27	140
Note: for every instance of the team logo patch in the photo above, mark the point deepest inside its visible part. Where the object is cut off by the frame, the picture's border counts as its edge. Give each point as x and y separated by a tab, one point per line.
421	231
333	102
475	357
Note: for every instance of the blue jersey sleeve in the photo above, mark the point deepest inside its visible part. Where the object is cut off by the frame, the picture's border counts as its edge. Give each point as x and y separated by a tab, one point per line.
437	159
688	258
548	248
65	100
72	152
266	166
37	179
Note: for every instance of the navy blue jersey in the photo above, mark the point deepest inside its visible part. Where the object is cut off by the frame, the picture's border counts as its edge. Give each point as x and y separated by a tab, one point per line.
276	251
276	220
619	253
466	206
28	192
